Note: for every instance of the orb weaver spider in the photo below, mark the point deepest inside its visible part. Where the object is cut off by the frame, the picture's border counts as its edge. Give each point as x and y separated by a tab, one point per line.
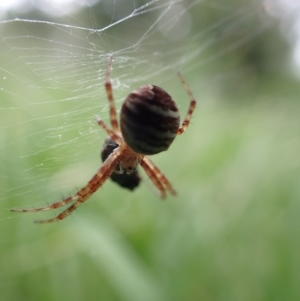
149	122
129	181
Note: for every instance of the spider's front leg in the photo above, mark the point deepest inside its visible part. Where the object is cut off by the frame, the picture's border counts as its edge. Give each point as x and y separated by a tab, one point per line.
157	177
83	194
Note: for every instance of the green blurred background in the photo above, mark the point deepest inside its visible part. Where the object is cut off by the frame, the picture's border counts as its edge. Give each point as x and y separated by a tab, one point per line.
232	233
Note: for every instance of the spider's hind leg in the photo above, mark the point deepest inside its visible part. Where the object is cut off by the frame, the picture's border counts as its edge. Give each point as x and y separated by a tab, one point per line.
191	108
109	93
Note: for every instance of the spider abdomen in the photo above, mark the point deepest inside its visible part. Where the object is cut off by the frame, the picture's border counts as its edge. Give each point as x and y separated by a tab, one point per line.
149	120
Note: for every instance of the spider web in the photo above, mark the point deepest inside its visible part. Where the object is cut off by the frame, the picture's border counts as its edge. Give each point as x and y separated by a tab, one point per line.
53	60
52	71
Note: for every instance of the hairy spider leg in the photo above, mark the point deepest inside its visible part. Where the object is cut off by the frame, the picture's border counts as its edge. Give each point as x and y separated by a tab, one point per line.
83	194
109	92
191	108
152	176
110	133
157	177
55	205
93	185
162	178
66	212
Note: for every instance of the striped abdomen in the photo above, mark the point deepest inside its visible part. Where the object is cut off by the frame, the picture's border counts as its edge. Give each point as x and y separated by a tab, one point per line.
149	120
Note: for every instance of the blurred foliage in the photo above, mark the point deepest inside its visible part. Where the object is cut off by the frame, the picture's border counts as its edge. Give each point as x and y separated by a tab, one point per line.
232	233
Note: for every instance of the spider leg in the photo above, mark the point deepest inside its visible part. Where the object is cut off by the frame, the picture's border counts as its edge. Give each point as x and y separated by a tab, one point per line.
92	186
191	108
55	205
110	133
150	173
66	212
83	194
156	176
109	92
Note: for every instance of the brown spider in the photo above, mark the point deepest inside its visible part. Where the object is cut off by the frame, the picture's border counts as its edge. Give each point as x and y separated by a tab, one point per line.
129	181
149	121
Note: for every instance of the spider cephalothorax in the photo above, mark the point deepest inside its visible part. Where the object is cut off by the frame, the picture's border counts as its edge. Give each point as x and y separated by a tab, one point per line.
129	181
149	122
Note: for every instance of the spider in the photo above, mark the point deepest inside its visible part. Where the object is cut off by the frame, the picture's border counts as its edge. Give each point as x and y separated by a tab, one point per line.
149	122
129	181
